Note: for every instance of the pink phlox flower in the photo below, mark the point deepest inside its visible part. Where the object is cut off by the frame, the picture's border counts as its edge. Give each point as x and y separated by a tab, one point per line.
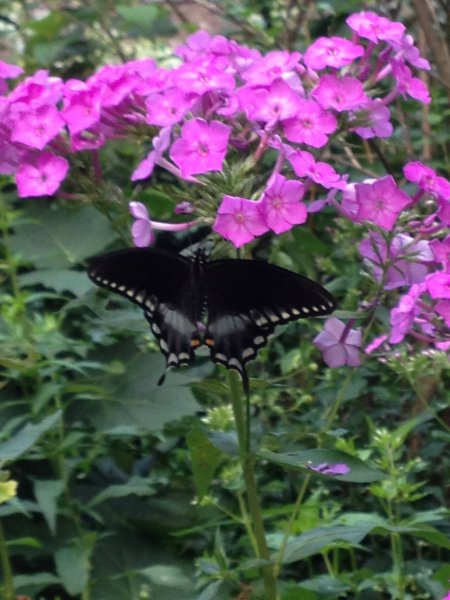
38	89
438	285
274	65
335	469
82	109
441	252
269	105
443	310
9	157
377	120
201	148
116	84
403	315
281	205
239	220
167	108
446	597
141	230
427	179
375	343
160	145
406	258
8	71
371	26
35	127
346	93
407	50
444	211
200	43
380	202
40	174
90	139
333	52
339	344
408	85
305	165
204	75
311	125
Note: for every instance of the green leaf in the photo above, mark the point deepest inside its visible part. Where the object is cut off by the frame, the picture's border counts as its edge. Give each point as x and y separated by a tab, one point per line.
60	280
304	459
72	566
32	584
47	493
316	540
135	485
168	576
50	239
147	19
205	460
225	441
27	437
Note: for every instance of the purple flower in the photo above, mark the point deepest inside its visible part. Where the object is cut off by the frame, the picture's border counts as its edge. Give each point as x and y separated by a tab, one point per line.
376	117
327	469
203	75
438	285
441	252
311	125
443	310
81	108
201	148
408	85
331	52
160	145
380	202
271	104
405	256
36	127
40	174
167	108
371	26
8	71
239	220
280	204
340	94
402	317
339	344
427	179
270	67
305	165
141	229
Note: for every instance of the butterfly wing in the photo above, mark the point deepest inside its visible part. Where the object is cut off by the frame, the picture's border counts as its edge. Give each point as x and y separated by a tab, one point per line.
161	284
247	299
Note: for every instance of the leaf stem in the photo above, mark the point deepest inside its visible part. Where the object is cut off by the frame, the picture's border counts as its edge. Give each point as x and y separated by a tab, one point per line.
8	583
247	460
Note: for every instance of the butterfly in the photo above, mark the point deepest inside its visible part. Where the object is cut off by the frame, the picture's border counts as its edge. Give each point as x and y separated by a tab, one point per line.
239	301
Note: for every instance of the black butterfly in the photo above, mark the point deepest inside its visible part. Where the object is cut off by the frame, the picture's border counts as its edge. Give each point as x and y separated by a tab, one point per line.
241	301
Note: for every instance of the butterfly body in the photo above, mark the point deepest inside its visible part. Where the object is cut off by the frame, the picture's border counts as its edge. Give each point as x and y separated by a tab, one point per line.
229	305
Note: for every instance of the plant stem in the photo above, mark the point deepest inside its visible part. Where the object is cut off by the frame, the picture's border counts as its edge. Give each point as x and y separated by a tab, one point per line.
8	584
247	459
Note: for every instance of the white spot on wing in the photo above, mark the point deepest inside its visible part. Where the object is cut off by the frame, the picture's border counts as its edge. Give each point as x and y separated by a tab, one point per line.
315	308
156	329
163	345
247	353
285	315
259	340
234	362
305	310
295	311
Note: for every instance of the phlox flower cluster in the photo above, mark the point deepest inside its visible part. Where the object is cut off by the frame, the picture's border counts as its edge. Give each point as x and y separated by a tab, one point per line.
225	104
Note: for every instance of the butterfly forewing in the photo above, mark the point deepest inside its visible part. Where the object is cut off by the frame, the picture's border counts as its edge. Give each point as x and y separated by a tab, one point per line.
161	284
247	299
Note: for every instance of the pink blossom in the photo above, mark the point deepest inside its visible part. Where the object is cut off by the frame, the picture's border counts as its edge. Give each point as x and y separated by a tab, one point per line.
280	204
40	174
8	71
36	127
443	310
371	26
201	148
402	317
438	285
444	211
405	256
272	66
441	252
160	145
141	229
82	109
377	117
380	202
239	220
271	104
340	94
334	52
375	343
427	179
167	108
406	49
311	125
305	165
203	75
330	469
339	344
408	85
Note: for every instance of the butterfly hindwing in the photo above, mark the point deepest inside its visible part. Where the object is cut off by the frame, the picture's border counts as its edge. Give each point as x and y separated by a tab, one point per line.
161	284
247	299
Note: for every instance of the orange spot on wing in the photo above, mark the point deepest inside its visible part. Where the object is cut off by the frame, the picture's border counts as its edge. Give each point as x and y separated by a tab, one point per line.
209	342
195	343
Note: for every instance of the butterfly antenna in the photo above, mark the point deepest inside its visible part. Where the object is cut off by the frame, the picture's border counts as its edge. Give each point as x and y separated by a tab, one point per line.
162	378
